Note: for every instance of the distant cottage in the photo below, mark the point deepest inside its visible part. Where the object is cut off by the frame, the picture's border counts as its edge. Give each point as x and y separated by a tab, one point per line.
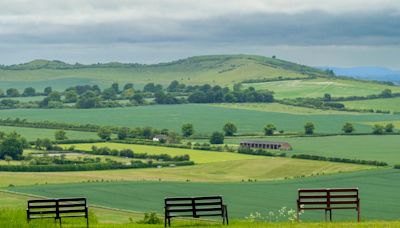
266	145
158	138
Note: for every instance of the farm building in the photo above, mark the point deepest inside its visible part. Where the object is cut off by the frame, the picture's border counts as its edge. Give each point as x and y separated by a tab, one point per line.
266	145
158	138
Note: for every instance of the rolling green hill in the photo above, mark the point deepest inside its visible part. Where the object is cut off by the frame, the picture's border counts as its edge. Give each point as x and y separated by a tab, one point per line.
217	69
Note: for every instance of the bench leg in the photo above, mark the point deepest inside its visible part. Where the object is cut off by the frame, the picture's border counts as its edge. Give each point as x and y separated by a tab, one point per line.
330	215
60	222
87	222
358	215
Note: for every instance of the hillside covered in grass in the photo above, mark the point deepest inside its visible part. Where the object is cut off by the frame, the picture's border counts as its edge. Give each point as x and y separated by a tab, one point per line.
216	69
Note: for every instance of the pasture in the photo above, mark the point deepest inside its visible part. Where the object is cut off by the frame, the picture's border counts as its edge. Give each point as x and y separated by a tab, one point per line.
318	87
387	104
174	116
378	200
222	70
32	134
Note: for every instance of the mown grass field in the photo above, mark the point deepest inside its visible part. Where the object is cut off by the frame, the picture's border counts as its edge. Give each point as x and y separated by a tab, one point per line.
318	87
387	104
173	116
34	133
378	199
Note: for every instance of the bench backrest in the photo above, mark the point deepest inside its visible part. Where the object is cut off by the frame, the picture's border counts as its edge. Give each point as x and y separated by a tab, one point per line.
345	198
57	208
194	206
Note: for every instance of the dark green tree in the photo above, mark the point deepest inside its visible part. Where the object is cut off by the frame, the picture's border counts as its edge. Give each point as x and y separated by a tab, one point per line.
12	145
122	133
389	128
104	133
47	90
217	138
269	129
348	128
187	130
29	91
60	135
230	129
88	100
71	96
128	86
12	92
378	129
309	128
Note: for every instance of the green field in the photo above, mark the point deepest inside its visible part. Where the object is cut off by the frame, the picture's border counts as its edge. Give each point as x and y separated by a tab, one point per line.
219	69
387	104
34	133
368	147
318	87
25	99
173	116
280	108
378	199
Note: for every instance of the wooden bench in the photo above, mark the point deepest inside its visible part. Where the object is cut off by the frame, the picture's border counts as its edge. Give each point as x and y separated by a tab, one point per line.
328	199
195	207
57	209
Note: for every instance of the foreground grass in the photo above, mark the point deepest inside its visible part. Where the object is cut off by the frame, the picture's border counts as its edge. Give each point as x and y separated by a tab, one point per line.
241	198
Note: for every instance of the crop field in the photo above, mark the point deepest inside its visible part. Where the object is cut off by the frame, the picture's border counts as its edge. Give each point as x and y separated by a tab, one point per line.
34	133
318	87
387	104
366	147
173	116
242	198
280	108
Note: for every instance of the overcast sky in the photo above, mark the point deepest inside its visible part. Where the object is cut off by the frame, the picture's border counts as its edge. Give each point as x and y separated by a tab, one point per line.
313	32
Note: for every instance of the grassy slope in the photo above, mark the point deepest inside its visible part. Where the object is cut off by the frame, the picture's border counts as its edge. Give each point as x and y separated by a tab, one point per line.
242	198
34	133
223	70
318	87
390	104
173	116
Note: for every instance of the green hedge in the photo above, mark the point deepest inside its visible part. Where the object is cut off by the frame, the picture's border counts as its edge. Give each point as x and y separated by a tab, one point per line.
87	167
342	160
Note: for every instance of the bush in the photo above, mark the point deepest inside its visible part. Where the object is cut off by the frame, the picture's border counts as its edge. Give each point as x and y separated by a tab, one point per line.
343	160
150	218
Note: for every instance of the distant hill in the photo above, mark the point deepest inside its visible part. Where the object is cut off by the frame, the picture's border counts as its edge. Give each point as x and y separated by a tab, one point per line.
369	73
213	69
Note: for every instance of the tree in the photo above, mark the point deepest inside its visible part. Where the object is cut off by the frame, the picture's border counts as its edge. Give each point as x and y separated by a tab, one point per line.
230	129
109	94
309	128
128	86
389	128
71	96
327	97
386	93
187	130
137	98
8	159
378	129
128	93
217	138
12	92
28	92
115	87
47	90
173	86
104	133
1	93
348	128
60	135
269	129
13	145
173	138
88	100
122	133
